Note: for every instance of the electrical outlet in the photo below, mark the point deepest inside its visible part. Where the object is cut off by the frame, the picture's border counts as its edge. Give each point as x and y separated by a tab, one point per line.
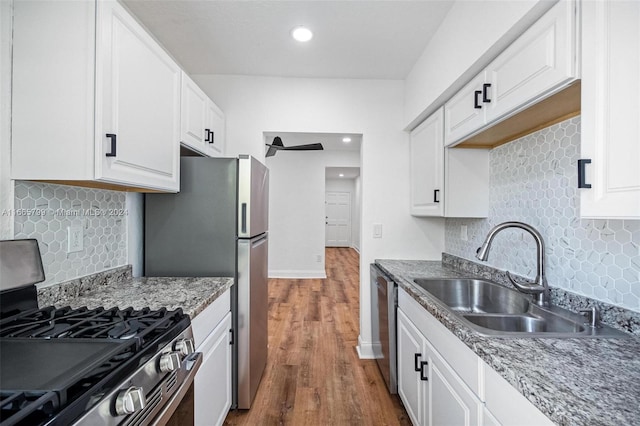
377	230
319	258
74	239
463	233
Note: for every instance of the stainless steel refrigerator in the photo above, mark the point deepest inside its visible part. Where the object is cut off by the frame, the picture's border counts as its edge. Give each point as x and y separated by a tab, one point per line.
217	226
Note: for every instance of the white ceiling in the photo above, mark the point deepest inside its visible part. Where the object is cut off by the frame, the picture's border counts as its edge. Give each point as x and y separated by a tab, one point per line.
346	172
352	39
330	141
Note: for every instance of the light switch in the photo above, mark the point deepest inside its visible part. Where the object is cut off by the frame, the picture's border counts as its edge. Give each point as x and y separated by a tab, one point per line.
377	230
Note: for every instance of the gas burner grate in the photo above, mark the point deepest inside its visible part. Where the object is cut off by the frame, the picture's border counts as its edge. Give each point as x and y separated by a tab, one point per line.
17	408
100	323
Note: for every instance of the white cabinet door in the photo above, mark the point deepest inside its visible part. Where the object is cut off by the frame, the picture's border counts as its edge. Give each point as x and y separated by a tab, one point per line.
427	172
138	101
464	113
85	71
411	389
193	115
539	61
450	401
488	419
215	140
446	182
212	391
610	109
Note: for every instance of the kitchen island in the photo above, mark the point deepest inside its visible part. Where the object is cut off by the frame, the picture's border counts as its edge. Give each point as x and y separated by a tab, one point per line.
579	381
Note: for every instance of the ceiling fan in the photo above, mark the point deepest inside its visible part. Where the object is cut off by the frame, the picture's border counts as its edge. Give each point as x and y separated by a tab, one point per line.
277	145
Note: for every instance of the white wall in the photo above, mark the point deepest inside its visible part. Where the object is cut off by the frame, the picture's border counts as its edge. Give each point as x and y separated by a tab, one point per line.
373	108
296	210
357	225
470	36
349	185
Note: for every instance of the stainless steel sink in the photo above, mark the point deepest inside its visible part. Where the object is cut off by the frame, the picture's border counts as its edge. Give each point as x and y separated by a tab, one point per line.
494	310
477	296
525	324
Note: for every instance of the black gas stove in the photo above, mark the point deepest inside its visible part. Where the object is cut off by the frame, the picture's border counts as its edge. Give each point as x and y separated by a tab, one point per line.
63	366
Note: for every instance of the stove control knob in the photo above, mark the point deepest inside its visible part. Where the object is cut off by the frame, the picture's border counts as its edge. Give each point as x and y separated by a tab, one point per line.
129	401
185	347
169	362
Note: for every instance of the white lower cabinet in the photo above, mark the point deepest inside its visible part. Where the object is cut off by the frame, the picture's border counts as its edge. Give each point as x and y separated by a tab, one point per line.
431	391
444	383
212	384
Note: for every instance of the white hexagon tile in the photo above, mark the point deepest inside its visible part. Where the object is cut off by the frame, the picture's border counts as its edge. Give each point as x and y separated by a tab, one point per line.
534	180
46	211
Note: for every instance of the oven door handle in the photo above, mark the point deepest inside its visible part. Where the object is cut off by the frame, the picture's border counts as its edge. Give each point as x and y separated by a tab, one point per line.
192	365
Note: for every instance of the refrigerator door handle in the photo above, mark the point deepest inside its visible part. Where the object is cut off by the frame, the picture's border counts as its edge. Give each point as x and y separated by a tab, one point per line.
256	242
243	225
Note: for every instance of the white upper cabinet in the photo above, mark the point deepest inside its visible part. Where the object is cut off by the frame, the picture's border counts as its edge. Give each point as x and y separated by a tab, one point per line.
193	114
96	101
446	182
202	121
216	129
610	176
427	168
539	63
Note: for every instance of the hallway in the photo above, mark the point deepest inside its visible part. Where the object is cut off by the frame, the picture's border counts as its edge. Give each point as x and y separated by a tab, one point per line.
313	374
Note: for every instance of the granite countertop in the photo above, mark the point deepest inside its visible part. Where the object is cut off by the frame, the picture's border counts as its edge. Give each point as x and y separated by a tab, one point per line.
575	381
192	294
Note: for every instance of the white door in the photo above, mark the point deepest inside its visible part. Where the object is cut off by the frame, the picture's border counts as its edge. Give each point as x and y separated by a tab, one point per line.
464	113
138	101
338	219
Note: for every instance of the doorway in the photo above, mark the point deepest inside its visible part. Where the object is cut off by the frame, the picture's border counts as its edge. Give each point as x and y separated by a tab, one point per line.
337	219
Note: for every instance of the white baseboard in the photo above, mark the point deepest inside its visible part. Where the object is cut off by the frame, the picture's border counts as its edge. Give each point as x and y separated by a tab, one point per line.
368	350
356	248
297	274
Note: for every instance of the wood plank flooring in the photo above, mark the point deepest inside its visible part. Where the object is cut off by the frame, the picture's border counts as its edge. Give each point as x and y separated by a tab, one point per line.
313	374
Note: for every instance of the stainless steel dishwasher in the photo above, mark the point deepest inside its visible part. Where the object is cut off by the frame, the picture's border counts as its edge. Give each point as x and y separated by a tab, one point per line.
384	301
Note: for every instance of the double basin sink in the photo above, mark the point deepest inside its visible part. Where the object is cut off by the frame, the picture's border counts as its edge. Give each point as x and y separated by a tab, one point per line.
494	310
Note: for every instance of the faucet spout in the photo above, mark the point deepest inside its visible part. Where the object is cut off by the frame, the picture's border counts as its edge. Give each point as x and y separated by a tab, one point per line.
539	288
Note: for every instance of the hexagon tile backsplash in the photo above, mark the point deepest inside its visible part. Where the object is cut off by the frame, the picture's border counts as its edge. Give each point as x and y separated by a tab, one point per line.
45	211
534	180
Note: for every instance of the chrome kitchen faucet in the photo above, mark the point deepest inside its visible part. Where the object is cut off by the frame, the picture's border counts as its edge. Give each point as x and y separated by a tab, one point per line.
539	288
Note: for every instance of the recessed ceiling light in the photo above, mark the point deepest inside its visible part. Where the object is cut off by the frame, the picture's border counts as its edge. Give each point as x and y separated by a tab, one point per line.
301	34
346	139
341	175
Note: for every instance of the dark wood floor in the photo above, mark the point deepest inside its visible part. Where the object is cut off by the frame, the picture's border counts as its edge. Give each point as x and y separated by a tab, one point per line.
313	374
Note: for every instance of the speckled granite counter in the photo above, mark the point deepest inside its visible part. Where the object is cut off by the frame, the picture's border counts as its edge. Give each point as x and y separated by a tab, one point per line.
572	381
119	289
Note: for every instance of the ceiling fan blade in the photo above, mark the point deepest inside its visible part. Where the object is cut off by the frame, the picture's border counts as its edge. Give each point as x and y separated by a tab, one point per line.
309	147
275	146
